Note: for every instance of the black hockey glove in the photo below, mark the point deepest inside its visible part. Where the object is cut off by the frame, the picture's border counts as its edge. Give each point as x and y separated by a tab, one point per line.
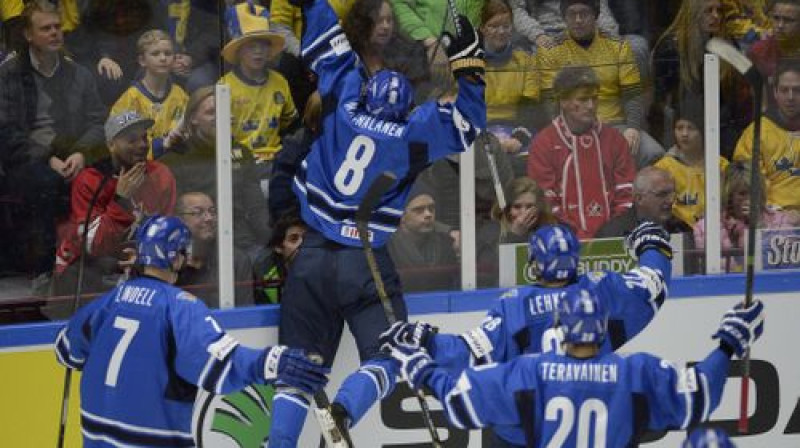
465	50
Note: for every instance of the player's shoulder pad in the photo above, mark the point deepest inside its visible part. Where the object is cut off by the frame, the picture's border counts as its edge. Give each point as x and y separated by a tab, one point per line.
186	295
610	37
595	276
511	294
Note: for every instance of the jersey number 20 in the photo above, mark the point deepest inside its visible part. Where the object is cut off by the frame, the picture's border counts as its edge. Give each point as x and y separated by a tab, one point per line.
129	328
589	409
351	173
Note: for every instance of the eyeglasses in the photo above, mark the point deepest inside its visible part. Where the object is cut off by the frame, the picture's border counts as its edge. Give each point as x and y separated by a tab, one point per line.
663	194
201	212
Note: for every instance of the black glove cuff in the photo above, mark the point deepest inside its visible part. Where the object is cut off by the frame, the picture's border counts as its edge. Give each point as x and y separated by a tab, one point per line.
726	348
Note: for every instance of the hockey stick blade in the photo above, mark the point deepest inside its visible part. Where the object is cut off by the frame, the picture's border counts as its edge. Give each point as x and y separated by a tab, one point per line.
334	434
730	54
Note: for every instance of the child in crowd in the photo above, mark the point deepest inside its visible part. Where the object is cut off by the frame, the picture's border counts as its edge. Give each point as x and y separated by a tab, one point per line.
261	102
155	96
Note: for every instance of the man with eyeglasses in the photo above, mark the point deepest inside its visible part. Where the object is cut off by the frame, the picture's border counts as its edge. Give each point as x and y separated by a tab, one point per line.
784	42
200	272
653	198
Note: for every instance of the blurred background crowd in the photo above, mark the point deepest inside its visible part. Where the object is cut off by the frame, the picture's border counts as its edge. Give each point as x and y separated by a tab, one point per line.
595	108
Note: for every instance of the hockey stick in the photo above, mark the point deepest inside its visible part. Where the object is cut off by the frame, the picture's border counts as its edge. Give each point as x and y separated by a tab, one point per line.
498	186
743	65
380	186
62	428
335	434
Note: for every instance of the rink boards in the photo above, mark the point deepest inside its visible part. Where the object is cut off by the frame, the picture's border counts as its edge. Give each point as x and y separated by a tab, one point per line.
31	381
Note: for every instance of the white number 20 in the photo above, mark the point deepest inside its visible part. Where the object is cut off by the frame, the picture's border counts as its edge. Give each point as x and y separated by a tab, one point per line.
589	409
351	172
129	328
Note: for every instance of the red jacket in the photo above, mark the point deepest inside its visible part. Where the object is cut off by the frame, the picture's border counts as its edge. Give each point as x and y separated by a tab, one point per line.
112	217
587	179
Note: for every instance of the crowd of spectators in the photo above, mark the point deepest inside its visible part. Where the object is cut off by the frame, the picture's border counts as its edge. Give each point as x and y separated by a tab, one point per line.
595	119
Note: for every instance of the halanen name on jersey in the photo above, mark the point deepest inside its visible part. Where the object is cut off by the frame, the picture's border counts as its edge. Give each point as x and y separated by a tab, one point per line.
368	122
136	295
586	371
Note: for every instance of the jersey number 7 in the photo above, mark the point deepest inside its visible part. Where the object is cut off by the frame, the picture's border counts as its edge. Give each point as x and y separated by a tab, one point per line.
129	328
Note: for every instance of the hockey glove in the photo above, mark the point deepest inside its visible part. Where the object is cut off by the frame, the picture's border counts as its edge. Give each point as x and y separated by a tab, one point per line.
293	368
415	365
465	50
648	235
741	327
407	335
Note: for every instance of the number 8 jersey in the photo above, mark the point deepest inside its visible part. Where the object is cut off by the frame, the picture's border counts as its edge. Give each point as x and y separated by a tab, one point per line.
354	147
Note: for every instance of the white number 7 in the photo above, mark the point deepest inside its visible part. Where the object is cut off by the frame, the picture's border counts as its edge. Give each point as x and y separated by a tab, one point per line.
130	327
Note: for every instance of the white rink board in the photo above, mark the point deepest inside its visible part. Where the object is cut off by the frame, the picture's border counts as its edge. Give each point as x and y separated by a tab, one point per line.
681	333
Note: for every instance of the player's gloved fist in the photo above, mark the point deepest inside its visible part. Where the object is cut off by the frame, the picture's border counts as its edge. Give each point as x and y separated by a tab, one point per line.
404	334
741	327
465	50
648	235
415	365
293	368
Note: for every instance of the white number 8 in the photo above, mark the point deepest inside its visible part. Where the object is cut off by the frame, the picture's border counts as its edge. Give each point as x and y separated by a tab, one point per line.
351	173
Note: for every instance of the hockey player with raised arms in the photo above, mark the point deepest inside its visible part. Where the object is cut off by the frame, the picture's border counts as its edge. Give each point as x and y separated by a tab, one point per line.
521	322
368	127
146	346
583	397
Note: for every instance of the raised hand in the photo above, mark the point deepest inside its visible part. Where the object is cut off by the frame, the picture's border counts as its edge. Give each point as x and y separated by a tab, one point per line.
648	235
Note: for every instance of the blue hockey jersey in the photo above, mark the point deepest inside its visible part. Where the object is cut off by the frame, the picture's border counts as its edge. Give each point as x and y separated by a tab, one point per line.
143	347
522	320
605	401
354	147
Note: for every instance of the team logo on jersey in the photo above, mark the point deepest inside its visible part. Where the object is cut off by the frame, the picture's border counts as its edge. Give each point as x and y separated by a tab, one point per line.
239	420
594	209
279	98
688	199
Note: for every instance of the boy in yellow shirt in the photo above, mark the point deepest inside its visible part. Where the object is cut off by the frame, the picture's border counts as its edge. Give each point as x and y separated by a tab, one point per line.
155	96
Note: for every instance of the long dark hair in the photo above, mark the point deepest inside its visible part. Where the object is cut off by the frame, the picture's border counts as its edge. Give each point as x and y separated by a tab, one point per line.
400	54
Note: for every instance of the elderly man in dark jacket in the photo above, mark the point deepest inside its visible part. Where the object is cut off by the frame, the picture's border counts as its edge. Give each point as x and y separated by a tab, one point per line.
51	126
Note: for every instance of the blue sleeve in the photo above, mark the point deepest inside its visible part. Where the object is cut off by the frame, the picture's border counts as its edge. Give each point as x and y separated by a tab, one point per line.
485	344
73	342
325	47
453	126
472	400
634	298
682	398
209	357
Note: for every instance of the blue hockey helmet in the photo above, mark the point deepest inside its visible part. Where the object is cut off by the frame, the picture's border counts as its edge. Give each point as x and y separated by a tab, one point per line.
554	250
708	438
582	316
159	241
389	95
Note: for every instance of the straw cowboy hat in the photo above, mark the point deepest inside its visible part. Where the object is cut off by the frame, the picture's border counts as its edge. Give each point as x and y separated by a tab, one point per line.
247	21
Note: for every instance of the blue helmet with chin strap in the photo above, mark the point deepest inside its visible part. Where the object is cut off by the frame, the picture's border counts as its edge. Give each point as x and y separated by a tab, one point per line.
708	438
582	316
554	251
389	95
159	241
